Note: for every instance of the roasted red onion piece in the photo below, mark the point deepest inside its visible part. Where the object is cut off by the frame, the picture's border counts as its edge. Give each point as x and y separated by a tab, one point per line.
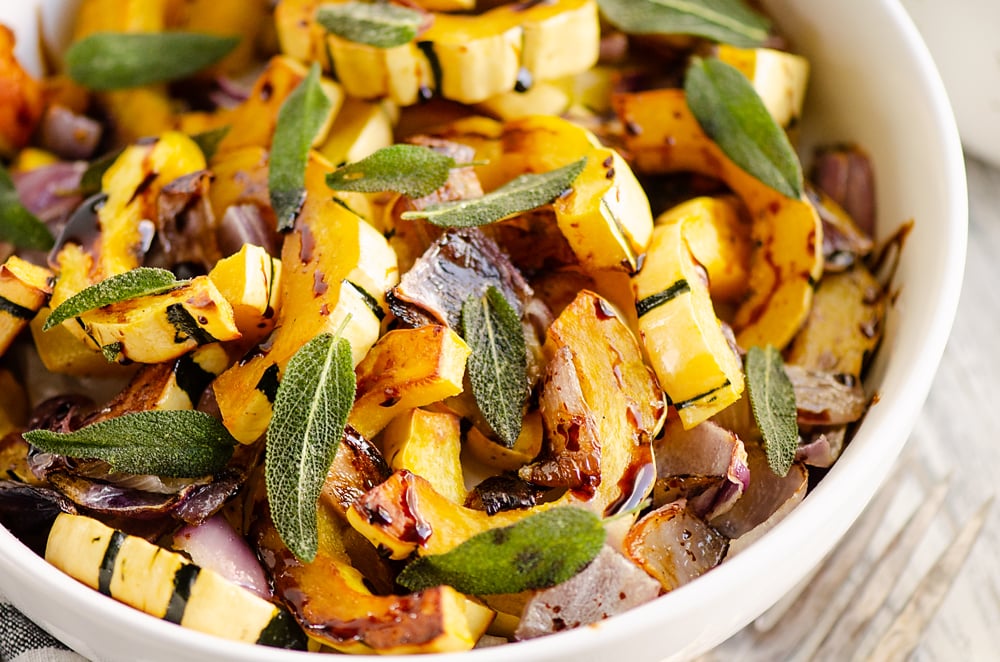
674	545
824	398
29	510
845	173
357	467
215	545
610	585
459	264
822	448
51	192
767	500
843	241
572	458
185	224
68	135
707	465
245	224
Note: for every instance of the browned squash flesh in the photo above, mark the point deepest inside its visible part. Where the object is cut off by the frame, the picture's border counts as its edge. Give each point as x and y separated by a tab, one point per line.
407	368
663	136
620	393
844	326
331	603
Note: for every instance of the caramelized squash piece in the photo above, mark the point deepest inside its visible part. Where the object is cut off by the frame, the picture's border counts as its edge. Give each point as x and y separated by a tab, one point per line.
161	327
461	57
13	406
328	256
252	123
663	136
428	444
24	289
406	514
779	78
526	447
844	326
688	348
250	280
332	604
605	217
619	395
407	368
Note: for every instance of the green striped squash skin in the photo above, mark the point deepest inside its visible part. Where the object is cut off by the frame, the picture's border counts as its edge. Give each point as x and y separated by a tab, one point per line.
109	549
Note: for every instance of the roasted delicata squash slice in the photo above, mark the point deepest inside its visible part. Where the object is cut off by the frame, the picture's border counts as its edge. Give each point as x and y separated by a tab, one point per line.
844	325
332	604
429	444
24	289
605	391
333	266
250	280
405	514
132	185
605	217
407	368
253	122
779	77
688	348
160	327
465	58
360	128
663	136
165	584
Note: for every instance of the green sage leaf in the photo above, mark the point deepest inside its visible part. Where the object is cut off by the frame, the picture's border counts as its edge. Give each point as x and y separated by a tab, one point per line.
18	225
772	400
118	60
732	114
521	194
178	444
138	282
310	411
300	118
725	21
498	364
542	550
92	177
208	141
378	24
412	170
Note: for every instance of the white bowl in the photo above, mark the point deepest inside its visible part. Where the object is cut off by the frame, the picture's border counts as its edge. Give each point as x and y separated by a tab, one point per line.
874	83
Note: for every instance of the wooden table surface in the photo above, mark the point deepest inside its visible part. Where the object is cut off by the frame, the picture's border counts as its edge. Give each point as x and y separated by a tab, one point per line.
956	436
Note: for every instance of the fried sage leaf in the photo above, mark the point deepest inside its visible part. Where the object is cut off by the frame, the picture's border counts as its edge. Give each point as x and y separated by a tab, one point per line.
310	412
540	551
772	399
725	21
732	114
177	444
114	61
521	194
412	170
18	225
300	118
498	364
378	24
139	282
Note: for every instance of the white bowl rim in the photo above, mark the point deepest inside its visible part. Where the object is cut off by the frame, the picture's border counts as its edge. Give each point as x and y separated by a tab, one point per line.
709	589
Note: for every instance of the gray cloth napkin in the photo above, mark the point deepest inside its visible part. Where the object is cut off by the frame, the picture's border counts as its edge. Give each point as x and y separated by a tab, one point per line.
23	641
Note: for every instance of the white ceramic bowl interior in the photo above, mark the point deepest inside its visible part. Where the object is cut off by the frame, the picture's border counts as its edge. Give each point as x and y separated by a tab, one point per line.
873	83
